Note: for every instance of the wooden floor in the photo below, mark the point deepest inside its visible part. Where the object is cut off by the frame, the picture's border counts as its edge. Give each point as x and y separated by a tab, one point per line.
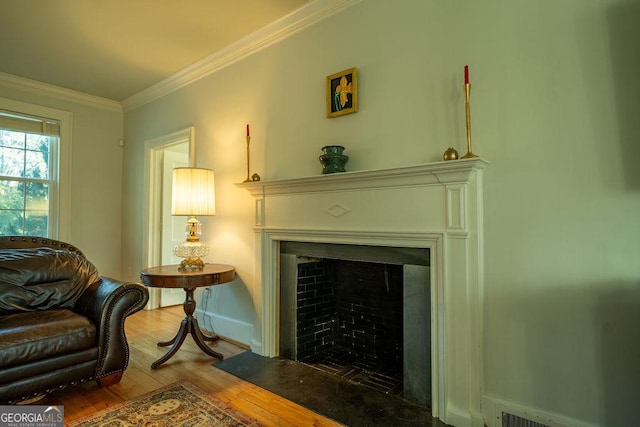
144	329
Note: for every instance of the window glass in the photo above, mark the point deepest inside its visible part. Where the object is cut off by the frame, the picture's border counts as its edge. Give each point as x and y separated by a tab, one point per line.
25	183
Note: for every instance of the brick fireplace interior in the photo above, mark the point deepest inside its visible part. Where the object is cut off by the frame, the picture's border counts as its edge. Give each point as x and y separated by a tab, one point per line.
359	312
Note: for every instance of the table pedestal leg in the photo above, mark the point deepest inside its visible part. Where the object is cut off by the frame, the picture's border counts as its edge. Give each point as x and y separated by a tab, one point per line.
189	325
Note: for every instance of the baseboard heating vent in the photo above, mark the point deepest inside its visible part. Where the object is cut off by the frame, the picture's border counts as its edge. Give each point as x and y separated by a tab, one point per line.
511	420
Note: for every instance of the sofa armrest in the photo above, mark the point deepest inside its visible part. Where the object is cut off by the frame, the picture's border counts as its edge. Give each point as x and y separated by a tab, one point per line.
107	303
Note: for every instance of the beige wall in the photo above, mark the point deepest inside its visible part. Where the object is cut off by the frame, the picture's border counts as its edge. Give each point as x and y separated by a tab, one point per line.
95	171
555	102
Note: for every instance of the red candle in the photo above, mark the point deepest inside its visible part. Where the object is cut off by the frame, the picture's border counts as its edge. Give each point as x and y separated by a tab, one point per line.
466	75
248	130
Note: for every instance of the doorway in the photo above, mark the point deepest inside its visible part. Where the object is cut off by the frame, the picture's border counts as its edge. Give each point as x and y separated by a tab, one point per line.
172	227
164	230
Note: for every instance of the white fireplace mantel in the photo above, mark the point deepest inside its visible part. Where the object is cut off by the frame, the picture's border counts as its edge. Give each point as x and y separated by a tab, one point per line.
436	206
430	173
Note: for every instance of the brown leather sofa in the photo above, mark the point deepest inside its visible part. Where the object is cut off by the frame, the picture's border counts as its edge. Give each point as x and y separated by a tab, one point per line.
61	323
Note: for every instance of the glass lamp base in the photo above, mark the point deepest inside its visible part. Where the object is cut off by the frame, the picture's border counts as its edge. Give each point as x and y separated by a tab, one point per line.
191	252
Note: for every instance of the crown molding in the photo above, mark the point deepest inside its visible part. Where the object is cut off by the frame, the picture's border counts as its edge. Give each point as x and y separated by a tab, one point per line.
39	88
309	14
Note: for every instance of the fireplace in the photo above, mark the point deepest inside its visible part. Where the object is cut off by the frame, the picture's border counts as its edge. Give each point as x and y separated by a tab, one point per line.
359	312
435	208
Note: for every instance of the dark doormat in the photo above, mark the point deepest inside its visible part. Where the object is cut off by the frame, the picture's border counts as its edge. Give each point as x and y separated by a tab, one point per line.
334	397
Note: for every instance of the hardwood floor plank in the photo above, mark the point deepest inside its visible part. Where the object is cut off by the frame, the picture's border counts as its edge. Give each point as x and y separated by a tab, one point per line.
144	330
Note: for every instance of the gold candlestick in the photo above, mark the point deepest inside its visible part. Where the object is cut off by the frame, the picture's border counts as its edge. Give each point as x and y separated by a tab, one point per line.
248	141
467	110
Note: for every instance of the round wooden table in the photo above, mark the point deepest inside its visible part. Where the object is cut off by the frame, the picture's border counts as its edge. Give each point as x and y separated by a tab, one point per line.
168	276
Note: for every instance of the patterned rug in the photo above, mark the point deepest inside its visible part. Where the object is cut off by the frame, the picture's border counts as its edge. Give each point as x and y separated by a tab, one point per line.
177	405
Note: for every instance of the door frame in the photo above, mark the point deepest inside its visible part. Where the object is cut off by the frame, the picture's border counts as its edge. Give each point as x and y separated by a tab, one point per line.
152	218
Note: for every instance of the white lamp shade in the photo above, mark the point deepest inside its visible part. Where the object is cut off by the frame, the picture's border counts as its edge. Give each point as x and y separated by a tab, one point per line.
193	192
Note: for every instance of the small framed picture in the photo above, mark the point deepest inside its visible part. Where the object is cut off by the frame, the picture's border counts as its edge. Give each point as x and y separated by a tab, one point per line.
342	93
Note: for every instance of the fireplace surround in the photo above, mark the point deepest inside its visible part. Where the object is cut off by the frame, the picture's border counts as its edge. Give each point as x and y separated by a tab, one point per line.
435	206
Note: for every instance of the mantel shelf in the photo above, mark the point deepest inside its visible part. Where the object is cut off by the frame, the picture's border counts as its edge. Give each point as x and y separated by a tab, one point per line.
444	172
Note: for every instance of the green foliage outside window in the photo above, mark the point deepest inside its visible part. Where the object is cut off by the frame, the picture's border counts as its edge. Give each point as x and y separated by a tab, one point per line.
24	183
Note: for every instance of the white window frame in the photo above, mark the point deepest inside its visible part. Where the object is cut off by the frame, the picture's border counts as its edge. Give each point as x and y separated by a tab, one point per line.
60	191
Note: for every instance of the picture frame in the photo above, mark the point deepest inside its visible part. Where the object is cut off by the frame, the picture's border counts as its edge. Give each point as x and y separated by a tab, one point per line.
342	93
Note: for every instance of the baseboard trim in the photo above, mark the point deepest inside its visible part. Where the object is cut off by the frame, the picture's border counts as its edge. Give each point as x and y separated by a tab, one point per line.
256	347
457	417
232	329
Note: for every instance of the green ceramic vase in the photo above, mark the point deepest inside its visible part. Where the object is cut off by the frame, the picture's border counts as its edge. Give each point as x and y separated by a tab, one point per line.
332	159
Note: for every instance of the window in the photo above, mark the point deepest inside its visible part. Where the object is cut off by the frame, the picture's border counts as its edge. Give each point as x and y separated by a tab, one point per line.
29	148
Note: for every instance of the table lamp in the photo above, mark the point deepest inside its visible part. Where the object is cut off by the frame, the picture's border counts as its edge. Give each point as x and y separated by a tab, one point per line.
193	194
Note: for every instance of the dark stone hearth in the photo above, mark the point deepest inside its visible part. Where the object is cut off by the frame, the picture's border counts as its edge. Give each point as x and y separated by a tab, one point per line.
329	395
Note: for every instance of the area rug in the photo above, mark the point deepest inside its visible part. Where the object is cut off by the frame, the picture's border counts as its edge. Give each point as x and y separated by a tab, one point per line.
178	405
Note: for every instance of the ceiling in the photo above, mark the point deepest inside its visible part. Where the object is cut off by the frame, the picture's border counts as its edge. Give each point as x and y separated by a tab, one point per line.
116	48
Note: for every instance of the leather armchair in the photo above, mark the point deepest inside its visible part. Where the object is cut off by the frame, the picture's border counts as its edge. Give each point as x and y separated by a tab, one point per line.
61	323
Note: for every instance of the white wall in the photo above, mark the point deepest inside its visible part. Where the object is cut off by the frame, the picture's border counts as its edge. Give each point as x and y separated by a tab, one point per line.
96	168
555	102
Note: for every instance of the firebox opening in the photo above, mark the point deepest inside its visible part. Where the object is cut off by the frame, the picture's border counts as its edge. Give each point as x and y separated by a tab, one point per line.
349	321
351	310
